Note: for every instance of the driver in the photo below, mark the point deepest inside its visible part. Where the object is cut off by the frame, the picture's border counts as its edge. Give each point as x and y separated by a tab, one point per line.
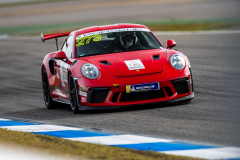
128	40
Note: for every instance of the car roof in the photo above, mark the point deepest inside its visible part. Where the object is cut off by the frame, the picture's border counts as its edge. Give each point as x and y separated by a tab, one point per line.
108	27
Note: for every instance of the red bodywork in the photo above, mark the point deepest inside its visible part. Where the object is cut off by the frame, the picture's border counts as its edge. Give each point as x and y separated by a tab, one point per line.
115	77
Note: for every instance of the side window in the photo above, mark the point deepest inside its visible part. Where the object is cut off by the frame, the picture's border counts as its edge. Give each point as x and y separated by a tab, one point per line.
148	40
67	47
64	48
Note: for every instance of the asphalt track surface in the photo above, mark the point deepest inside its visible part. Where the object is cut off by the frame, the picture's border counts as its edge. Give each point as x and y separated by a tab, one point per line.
211	117
112	11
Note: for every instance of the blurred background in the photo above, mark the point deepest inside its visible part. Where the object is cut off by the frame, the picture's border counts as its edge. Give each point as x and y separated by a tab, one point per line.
35	16
211	117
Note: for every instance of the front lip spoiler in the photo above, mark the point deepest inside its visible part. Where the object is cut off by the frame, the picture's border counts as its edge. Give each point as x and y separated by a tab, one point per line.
80	107
182	98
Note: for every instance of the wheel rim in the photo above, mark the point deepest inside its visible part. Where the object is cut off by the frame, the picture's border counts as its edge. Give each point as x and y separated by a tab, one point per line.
46	89
72	94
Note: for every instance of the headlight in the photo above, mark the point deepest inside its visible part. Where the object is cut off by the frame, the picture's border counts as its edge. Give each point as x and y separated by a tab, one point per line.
177	61
90	71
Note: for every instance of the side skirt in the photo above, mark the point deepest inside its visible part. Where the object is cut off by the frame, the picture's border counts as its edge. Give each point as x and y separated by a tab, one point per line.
61	100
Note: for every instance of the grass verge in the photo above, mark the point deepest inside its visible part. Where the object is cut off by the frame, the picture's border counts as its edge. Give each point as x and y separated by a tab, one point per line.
187	25
75	149
194	26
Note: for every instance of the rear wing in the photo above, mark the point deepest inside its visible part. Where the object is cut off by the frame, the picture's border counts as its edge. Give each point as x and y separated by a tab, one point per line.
54	36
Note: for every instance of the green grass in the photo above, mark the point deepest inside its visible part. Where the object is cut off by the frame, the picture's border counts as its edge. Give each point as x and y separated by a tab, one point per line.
53	145
195	26
170	25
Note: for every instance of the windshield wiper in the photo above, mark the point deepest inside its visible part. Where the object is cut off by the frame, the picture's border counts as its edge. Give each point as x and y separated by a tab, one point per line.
97	53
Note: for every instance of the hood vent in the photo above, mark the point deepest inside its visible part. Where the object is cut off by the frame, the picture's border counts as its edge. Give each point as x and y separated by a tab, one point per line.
105	62
156	57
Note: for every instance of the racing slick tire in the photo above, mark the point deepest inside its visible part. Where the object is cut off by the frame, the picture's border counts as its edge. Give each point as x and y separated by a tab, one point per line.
50	104
72	94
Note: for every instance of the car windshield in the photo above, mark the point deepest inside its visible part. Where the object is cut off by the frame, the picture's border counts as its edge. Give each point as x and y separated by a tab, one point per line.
115	41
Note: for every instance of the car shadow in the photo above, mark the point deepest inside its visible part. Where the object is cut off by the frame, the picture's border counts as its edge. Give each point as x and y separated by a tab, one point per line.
134	108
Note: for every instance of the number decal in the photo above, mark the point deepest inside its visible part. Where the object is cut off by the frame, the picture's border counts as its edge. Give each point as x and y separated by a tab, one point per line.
95	38
81	42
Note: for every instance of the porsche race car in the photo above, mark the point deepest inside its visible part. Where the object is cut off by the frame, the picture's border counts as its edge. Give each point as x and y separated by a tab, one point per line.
113	66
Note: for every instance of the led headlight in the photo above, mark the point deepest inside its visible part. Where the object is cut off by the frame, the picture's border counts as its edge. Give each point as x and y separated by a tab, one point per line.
90	71
177	61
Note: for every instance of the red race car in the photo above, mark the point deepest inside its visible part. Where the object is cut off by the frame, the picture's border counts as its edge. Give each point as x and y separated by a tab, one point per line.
113	66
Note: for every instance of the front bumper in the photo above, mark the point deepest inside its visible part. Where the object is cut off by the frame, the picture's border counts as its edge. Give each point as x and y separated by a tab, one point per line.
80	107
114	98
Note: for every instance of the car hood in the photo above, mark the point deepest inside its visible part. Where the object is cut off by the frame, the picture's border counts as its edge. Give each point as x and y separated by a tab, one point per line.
130	63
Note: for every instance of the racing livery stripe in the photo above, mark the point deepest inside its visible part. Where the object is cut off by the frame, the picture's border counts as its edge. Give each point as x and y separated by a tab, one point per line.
137	142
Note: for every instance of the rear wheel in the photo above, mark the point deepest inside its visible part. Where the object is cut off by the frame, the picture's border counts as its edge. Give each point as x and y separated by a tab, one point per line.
73	94
46	90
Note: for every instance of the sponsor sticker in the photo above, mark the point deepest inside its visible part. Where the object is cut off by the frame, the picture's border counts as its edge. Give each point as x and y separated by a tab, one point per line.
83	93
83	99
63	73
81	88
134	64
142	87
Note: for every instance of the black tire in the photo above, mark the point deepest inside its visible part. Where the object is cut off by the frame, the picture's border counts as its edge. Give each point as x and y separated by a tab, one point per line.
73	95
50	104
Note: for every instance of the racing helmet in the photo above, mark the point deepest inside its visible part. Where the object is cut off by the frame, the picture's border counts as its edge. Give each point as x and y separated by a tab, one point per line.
128	39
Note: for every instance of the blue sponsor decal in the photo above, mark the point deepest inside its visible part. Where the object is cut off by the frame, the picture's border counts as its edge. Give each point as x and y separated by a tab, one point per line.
142	87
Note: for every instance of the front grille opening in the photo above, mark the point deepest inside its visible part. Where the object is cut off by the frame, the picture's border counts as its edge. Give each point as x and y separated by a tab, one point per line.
142	95
97	95
115	97
182	85
51	66
168	91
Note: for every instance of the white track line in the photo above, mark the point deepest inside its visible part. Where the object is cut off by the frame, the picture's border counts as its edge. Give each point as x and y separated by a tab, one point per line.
39	128
210	153
119	139
3	119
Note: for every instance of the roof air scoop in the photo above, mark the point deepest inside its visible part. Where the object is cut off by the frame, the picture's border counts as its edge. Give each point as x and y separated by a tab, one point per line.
105	62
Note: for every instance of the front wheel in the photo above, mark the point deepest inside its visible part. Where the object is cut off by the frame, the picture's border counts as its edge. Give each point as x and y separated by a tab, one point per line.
73	94
50	104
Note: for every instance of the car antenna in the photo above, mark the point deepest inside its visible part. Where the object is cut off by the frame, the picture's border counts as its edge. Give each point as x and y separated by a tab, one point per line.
56	43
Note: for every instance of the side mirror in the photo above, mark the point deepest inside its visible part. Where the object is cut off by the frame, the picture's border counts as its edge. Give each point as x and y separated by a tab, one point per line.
171	43
60	55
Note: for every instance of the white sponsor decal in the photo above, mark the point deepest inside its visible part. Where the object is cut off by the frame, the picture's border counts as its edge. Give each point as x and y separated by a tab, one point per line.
63	73
83	99
134	64
83	93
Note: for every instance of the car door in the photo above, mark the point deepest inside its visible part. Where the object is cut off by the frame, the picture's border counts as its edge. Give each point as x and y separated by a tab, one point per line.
63	66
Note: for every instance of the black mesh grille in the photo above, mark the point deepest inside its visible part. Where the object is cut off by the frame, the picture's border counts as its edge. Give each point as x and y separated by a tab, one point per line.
168	91
181	85
142	95
97	95
115	97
